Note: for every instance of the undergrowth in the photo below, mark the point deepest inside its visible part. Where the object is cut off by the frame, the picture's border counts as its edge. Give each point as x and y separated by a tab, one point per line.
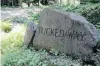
6	26
90	11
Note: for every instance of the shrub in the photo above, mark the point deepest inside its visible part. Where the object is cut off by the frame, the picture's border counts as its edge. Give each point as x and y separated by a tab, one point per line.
26	57
20	19
90	11
6	26
23	57
34	17
13	39
98	25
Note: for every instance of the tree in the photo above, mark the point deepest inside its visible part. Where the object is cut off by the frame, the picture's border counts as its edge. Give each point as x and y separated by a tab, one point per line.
44	2
64	2
91	1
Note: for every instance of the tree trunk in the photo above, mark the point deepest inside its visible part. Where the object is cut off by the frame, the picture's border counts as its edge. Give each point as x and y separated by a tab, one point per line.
12	3
28	4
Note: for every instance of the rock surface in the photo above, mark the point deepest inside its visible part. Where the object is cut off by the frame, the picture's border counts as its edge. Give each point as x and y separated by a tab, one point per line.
66	32
31	27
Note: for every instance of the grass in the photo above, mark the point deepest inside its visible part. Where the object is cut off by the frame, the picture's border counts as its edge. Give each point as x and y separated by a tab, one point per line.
13	39
6	26
24	57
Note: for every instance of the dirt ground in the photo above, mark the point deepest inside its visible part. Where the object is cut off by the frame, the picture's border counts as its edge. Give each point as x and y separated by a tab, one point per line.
13	12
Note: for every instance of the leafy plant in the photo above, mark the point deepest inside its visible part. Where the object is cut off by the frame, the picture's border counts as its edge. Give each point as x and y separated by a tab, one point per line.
6	26
10	41
90	11
34	17
13	39
19	19
98	25
25	57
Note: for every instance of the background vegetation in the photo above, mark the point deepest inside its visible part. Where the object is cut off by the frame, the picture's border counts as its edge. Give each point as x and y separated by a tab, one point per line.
90	11
15	54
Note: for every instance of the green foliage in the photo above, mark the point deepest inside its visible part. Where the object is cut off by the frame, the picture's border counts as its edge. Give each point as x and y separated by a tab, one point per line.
34	17
90	1
13	54
6	26
90	11
27	1
19	19
30	1
13	39
98	25
25	57
10	41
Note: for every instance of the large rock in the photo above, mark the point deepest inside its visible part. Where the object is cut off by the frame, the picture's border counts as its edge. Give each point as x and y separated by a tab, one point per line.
66	32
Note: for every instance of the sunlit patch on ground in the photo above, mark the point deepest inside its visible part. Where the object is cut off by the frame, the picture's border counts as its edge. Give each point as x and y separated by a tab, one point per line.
13	12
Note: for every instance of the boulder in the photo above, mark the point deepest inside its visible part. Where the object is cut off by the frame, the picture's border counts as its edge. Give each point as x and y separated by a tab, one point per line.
66	32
